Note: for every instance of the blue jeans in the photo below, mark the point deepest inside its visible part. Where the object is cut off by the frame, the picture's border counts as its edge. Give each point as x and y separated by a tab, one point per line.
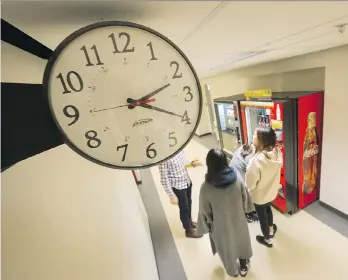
185	201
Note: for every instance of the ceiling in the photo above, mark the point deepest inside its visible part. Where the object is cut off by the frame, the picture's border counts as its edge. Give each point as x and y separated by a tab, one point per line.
216	36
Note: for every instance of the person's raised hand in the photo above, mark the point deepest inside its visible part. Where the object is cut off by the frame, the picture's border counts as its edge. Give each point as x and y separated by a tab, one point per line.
196	163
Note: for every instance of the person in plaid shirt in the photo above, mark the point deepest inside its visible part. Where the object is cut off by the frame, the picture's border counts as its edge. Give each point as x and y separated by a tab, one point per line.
178	186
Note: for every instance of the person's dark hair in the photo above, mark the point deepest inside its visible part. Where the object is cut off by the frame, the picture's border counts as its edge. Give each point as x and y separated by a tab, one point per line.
267	138
246	150
216	161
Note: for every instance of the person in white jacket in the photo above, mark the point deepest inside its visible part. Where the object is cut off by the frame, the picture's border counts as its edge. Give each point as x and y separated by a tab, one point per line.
263	179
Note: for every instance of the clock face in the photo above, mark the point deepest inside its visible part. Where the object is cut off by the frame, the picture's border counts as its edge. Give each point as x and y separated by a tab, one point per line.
123	95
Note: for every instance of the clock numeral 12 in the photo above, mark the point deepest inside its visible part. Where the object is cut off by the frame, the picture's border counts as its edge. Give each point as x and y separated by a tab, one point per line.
69	82
94	48
93	141
126	47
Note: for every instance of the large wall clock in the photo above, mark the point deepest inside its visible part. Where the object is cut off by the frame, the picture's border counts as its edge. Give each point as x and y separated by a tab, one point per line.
123	95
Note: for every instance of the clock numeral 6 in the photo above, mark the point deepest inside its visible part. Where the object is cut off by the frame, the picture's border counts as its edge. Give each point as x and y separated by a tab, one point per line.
70	83
176	75
173	139
151	153
126	47
189	93
185	118
125	147
75	114
93	141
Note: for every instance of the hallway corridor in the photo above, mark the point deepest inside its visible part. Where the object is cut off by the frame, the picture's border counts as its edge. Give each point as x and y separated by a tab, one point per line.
305	248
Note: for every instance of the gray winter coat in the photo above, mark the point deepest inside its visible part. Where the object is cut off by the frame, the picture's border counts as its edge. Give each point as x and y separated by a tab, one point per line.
222	207
240	162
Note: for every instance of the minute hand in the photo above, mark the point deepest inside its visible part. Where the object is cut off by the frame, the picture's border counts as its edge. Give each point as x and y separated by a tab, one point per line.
159	110
146	97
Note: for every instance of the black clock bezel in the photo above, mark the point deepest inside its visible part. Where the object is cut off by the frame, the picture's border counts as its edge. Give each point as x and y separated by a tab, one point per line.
56	53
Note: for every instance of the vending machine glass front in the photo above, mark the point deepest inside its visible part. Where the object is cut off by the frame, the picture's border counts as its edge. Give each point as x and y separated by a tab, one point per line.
228	124
266	114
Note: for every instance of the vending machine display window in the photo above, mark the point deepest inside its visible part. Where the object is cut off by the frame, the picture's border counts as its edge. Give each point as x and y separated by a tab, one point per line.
255	115
228	126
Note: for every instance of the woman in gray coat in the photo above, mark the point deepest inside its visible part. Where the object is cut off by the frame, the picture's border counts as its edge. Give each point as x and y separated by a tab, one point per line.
222	206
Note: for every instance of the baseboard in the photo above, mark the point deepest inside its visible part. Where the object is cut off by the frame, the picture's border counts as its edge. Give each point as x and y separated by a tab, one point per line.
169	263
334	210
204	134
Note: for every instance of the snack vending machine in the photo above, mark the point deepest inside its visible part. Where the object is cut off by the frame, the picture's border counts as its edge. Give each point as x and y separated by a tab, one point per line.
297	118
227	116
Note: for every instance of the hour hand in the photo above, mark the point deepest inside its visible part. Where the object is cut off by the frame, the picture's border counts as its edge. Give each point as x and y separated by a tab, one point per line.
159	110
146	97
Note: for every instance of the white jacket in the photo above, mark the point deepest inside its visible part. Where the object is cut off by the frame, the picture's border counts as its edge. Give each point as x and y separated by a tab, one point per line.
263	176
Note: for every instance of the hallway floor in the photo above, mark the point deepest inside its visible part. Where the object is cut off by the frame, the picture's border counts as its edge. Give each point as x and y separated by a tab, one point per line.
304	248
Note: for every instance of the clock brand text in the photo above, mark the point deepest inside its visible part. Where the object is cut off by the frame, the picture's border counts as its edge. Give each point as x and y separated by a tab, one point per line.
142	121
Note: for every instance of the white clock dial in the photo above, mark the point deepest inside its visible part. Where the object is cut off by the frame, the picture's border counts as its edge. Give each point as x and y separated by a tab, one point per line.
123	95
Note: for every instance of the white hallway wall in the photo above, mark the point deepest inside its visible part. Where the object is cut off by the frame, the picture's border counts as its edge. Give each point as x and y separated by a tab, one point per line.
64	217
286	75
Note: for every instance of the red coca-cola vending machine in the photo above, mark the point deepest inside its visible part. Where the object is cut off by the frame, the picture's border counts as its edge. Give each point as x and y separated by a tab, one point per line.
297	118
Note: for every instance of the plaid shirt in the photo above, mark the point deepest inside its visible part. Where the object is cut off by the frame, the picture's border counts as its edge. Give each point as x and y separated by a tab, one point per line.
174	174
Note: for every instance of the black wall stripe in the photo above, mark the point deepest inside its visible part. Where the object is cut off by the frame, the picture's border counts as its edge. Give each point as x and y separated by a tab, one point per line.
19	39
27	127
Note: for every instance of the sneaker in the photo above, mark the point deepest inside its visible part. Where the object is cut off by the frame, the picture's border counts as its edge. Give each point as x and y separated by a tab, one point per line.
249	219
263	241
244	270
274	230
191	233
255	217
194	224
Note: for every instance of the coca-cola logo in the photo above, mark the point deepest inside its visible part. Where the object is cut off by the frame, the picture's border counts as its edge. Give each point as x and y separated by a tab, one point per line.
311	152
